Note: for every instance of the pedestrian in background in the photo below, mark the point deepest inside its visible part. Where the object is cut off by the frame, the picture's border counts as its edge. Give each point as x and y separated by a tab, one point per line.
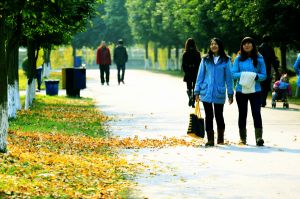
271	61
104	61
120	59
190	64
297	71
249	69
213	78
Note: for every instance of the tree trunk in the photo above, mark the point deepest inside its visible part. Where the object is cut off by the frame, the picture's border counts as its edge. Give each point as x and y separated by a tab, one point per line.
16	71
3	90
177	58
156	56
12	52
32	54
283	57
147	61
74	53
47	62
169	62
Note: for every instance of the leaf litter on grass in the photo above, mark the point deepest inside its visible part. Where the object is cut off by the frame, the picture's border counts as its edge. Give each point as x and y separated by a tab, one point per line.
51	162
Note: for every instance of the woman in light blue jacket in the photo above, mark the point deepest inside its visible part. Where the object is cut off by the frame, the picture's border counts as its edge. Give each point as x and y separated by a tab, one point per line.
213	77
249	66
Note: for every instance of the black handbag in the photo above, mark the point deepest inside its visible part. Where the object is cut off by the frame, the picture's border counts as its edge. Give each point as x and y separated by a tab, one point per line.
196	123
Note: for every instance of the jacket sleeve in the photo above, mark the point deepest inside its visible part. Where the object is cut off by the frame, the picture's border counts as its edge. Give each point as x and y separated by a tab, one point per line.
235	71
108	57
200	77
114	55
262	73
229	80
297	65
198	60
126	55
98	56
183	65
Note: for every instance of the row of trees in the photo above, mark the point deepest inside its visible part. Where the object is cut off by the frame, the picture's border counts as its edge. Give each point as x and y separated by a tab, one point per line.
39	24
168	23
33	24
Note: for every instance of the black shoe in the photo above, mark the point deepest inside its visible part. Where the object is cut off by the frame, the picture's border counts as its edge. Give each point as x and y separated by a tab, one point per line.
123	82
260	142
107	83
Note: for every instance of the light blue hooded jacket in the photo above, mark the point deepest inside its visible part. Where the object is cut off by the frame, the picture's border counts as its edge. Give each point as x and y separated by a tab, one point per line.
212	80
247	65
297	69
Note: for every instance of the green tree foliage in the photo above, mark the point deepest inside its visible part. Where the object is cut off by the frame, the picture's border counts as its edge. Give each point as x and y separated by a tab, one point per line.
94	33
116	21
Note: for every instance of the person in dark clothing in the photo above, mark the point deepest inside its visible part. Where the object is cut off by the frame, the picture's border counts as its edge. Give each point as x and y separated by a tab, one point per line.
104	61
191	59
266	50
120	58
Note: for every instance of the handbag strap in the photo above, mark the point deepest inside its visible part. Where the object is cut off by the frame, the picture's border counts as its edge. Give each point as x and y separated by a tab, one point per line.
197	109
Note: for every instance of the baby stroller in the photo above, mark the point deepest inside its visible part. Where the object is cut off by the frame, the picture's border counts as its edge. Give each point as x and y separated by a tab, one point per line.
282	90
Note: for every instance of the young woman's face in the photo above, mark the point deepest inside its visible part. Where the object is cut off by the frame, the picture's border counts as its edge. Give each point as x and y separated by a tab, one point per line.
247	47
214	47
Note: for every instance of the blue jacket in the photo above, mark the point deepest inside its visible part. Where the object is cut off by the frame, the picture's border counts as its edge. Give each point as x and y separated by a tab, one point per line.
211	80
247	65
297	69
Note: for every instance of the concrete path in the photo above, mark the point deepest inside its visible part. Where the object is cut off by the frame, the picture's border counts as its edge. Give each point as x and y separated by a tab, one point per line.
151	105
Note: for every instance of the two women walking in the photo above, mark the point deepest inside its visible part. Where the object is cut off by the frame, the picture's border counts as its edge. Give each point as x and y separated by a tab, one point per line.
215	77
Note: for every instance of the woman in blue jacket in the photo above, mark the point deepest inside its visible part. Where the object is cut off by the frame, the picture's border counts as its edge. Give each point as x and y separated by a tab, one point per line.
249	70
213	77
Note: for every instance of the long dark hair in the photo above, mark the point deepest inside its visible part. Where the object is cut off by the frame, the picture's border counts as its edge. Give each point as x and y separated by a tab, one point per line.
190	45
221	51
253	53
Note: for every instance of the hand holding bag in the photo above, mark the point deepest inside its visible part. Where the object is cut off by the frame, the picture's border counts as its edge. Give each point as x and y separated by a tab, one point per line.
196	123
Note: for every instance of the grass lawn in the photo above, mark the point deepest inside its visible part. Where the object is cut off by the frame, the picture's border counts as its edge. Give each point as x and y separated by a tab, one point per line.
59	149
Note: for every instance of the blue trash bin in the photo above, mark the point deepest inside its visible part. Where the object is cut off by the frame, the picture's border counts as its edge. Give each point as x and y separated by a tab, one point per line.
75	80
77	61
51	87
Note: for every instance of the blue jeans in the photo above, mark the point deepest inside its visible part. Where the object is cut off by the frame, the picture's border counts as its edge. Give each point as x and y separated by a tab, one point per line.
255	103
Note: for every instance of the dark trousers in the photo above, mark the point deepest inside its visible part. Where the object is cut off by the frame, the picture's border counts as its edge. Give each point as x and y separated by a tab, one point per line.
190	85
104	69
121	68
212	110
255	103
265	89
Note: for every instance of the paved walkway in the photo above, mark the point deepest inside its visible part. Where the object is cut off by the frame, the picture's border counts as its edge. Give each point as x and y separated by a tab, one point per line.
151	105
